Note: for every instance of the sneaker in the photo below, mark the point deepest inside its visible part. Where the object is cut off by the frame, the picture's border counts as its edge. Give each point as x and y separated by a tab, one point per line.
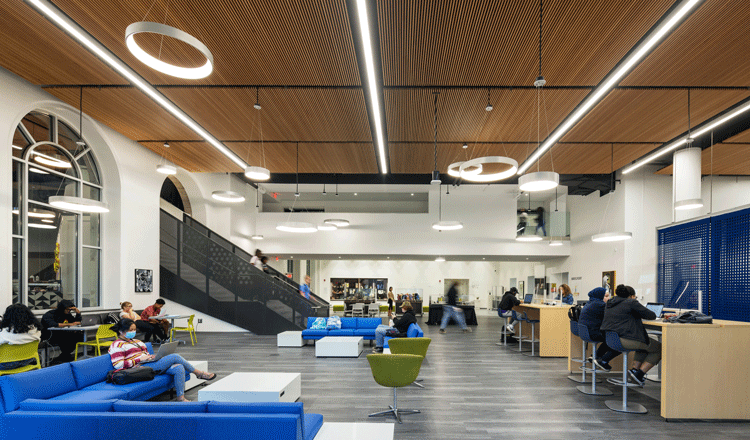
637	376
442	330
377	350
603	365
510	328
467	330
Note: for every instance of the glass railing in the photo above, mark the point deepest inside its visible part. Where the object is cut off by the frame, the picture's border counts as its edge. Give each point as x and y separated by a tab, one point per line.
549	224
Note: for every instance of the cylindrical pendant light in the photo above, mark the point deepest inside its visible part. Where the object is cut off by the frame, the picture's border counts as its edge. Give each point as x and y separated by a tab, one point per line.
686	179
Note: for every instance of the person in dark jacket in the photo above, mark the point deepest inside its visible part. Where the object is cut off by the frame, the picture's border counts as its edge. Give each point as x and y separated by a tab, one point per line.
451	310
64	315
591	316
400	325
505	308
623	316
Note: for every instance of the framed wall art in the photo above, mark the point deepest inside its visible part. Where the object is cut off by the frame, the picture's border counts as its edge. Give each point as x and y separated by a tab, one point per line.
144	280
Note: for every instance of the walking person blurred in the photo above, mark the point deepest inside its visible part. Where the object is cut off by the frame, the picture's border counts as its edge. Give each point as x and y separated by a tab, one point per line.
452	311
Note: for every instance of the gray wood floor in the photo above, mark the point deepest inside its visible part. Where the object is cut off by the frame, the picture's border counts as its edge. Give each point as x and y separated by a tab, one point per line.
474	390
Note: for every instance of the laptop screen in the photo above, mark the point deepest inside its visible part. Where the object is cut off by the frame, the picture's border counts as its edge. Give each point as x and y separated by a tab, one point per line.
656	308
528	298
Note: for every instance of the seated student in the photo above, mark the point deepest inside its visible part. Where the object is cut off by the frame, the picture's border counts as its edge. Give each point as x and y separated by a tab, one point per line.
505	308
156	310
624	315
127	352
567	295
400	325
146	327
64	315
19	327
591	316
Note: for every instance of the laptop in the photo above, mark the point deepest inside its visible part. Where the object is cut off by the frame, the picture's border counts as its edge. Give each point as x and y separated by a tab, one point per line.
656	308
528	298
165	350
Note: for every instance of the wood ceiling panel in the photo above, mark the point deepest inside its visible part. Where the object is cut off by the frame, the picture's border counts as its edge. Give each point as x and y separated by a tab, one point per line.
36	50
493	42
411	158
709	48
740	137
728	160
287	114
127	111
281	157
264	42
649	115
462	117
591	158
195	157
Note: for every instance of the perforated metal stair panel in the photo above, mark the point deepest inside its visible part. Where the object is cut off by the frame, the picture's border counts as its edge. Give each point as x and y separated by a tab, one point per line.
730	259
683	265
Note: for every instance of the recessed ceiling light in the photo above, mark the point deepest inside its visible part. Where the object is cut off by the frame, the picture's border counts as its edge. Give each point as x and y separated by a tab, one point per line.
355	194
529	238
439	259
412	193
447	225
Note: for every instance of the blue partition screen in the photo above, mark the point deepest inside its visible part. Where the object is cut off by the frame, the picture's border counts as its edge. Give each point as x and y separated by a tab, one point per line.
683	266
730	266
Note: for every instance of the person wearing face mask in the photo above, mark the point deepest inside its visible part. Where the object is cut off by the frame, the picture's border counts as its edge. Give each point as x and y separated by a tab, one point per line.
161	326
127	352
66	314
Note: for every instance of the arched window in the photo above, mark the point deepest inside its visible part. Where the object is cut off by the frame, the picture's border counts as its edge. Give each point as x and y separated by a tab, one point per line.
56	252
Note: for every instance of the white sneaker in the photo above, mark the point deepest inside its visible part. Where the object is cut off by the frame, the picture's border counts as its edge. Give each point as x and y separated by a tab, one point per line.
510	328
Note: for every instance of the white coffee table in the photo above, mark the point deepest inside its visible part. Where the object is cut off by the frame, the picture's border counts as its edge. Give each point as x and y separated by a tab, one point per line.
289	339
355	431
194	381
339	346
254	387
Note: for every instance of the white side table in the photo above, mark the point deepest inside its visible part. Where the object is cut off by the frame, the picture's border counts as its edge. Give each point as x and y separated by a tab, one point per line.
194	381
289	339
339	346
254	387
355	431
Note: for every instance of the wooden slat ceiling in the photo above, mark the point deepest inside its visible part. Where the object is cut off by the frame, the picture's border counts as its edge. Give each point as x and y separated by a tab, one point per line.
728	160
483	43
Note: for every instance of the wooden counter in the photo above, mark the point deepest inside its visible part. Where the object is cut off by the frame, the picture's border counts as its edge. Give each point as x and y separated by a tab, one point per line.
553	329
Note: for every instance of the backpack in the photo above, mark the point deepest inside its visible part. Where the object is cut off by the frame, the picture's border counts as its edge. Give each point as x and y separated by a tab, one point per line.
574	312
130	375
111	318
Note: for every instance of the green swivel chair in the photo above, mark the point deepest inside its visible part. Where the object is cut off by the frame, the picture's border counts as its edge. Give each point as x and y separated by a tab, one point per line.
395	371
416	346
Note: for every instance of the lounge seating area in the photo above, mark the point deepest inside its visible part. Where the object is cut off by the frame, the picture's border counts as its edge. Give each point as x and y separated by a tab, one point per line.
364	327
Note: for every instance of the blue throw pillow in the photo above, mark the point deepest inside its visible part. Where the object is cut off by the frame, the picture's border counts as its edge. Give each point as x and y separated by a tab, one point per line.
334	323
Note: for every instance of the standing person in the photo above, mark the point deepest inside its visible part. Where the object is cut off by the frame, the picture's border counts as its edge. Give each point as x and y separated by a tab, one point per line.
161	326
390	300
566	296
591	316
397	328
65	315
540	221
256	260
143	326
624	315
264	264
304	289
127	352
506	305
451	310
19	327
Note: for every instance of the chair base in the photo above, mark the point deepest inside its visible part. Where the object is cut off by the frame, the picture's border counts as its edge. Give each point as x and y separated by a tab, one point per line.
416	382
631	408
577	379
588	389
395	412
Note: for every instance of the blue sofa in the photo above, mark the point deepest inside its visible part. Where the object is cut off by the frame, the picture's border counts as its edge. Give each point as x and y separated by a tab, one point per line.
41	404
414	331
364	327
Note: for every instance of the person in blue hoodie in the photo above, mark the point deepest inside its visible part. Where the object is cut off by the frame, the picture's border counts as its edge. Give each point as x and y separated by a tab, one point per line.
591	316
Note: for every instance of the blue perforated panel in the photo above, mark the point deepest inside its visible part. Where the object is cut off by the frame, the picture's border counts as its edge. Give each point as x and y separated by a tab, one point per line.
683	265
730	266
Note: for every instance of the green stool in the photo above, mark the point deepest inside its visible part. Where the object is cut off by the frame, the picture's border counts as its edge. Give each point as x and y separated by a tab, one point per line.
395	371
416	346
338	308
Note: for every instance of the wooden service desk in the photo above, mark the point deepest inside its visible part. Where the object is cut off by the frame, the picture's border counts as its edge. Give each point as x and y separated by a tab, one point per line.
704	370
553	329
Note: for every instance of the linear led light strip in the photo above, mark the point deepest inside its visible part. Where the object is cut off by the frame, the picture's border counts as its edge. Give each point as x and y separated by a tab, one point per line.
77	32
708	126
613	79
364	27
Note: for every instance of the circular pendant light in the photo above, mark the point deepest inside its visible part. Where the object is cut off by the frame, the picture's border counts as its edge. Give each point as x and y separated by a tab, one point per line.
467	169
166	169
529	238
42	226
539	181
256	237
257	173
327	227
51	161
299	227
611	236
228	196
41	214
453	170
338	222
78	204
555	243
168	31
439	259
447	225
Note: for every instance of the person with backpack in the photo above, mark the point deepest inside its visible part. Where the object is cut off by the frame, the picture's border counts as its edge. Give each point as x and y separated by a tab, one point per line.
591	316
506	305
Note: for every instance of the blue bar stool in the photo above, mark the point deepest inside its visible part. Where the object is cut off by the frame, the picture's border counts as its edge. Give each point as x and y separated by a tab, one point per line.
613	340
582	360
583	333
504	332
533	323
520	317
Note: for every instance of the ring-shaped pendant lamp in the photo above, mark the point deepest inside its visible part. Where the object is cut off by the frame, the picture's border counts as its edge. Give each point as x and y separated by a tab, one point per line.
469	164
51	161
42	226
257	173
539	181
529	238
256	237
453	170
299	227
228	196
611	236
447	225
168	31
555	243
38	214
327	227
166	169
78	204
338	222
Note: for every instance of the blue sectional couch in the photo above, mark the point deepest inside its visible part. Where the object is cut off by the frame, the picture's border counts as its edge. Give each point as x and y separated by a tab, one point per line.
40	404
364	327
414	331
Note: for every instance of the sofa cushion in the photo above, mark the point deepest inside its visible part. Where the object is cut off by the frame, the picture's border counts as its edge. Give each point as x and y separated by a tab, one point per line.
365	332
414	331
134	391
90	371
91	395
348	332
172	407
349	323
36	384
66	405
311	424
256	407
306	333
369	322
310	321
